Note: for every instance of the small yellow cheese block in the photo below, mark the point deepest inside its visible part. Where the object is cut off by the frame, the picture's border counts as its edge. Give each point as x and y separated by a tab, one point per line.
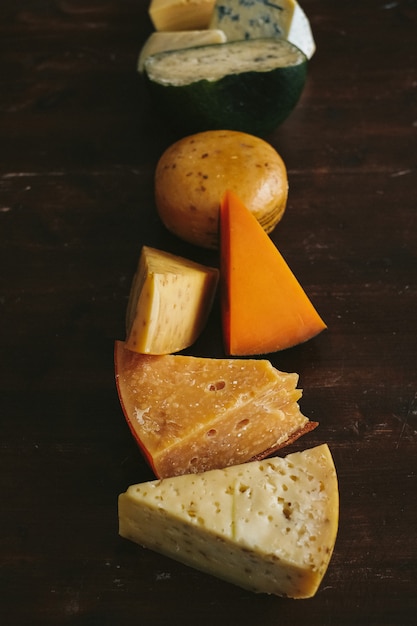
169	303
268	526
180	14
161	41
192	414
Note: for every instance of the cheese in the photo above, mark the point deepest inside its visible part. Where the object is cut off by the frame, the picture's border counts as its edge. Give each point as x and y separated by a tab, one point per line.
163	41
264	307
240	19
300	33
229	160
212	63
174	15
192	414
169	302
267	526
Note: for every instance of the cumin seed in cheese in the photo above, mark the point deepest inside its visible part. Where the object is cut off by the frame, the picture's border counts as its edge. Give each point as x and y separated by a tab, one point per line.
267	526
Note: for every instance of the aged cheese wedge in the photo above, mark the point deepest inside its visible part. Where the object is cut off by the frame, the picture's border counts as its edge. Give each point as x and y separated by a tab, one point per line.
161	41
173	15
268	526
192	414
264	307
169	303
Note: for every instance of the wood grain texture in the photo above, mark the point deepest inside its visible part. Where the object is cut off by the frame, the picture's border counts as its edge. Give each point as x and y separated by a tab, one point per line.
79	144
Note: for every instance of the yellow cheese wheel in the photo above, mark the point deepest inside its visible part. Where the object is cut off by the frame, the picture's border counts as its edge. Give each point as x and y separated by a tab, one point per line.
194	172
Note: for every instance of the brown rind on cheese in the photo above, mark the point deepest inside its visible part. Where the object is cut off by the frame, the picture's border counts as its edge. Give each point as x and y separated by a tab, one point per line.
304	430
193	414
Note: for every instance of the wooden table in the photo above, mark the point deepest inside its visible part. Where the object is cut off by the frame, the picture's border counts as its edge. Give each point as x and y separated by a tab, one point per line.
79	144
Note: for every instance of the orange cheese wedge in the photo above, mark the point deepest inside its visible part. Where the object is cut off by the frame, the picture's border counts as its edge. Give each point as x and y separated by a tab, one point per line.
264	307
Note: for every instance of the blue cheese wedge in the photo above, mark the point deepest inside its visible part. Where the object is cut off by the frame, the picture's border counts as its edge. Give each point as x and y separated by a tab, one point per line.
268	526
240	19
161	41
169	303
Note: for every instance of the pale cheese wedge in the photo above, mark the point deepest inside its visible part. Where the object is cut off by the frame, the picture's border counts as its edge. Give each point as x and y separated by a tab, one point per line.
161	41
180	14
267	526
169	302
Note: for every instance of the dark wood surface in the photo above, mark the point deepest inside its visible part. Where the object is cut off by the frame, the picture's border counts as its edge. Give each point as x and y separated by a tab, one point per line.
78	148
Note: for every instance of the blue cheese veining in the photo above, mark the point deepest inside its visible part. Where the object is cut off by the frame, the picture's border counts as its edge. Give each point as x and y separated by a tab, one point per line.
252	19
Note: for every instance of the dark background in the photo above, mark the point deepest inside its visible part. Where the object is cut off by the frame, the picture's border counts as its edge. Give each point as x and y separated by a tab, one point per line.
78	148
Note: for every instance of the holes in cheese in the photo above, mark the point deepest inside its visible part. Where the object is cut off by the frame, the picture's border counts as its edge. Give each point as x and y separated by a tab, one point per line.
264	307
169	303
268	526
184	421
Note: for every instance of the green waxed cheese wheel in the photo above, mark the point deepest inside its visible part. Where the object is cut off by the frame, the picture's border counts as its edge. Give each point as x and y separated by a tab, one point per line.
250	86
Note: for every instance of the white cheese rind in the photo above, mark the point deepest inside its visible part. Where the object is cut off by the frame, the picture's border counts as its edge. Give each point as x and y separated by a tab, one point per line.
300	33
267	526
